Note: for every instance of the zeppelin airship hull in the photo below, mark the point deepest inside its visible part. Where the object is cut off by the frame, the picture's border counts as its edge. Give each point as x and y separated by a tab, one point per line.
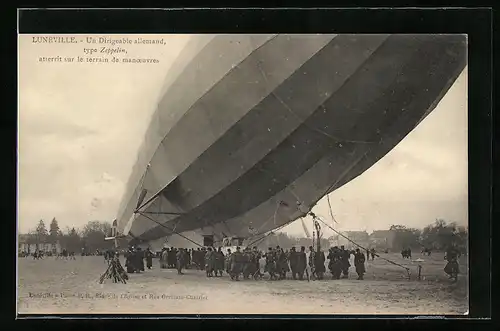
288	120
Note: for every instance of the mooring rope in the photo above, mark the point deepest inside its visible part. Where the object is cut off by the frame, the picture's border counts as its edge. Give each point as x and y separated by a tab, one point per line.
171	231
340	234
269	233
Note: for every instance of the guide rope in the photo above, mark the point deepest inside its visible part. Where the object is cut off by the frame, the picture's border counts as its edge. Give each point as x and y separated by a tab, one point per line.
268	233
170	230
340	234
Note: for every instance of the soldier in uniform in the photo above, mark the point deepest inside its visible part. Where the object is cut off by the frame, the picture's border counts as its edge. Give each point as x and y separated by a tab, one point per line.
149	258
293	258
140	259
129	260
236	264
246	263
451	267
209	262
301	262
227	261
171	257
344	258
359	263
337	264
283	263
319	264
255	258
180	260
219	262
270	264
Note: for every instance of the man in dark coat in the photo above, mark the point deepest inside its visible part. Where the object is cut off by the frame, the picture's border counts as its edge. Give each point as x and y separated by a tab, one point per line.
219	262
452	267
301	262
140	259
282	263
236	264
345	254
255	260
359	263
130	260
247	267
293	262
209	262
171	256
319	263
336	264
270	264
149	258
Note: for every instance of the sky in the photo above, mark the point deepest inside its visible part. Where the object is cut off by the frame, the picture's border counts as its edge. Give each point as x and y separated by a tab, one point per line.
81	124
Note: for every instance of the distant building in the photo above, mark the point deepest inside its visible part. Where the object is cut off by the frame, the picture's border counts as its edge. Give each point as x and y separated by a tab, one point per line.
382	239
347	238
359	237
28	246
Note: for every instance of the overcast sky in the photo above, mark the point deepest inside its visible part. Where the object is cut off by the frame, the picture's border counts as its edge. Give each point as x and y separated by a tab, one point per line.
80	126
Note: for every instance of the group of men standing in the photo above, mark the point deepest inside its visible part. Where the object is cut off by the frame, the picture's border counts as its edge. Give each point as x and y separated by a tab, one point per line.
134	259
247	262
178	258
338	264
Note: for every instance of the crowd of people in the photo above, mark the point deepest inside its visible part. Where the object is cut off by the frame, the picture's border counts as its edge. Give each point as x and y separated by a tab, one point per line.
134	259
253	263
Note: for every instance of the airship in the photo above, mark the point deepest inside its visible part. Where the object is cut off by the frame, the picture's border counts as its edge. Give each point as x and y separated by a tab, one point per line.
251	131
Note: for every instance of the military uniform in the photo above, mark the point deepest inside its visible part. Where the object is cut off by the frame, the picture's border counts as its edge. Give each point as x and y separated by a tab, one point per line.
293	262
301	262
359	263
180	260
219	262
344	258
209	262
149	259
236	264
319	264
452	267
129	261
270	264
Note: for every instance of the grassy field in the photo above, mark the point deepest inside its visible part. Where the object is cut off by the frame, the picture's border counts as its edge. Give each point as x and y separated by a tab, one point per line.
71	286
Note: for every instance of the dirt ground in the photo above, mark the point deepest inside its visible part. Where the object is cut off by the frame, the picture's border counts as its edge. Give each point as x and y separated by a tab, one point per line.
71	286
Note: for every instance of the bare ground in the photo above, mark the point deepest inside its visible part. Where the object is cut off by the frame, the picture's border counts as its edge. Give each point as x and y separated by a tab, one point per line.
71	286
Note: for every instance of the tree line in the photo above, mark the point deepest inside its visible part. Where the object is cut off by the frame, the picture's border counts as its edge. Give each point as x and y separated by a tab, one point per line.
90	237
437	236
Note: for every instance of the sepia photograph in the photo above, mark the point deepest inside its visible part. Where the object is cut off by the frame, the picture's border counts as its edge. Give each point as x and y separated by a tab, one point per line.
242	174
